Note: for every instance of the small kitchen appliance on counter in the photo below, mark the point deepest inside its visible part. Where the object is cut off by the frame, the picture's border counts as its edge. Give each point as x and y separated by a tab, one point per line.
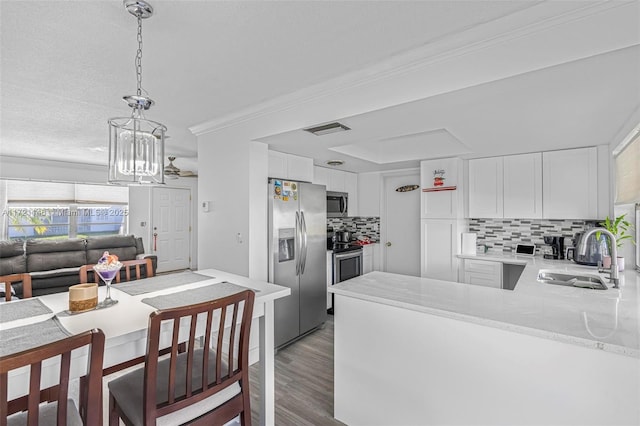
343	236
596	250
557	247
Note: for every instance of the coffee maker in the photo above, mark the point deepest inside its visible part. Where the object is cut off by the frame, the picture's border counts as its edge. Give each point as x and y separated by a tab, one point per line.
557	247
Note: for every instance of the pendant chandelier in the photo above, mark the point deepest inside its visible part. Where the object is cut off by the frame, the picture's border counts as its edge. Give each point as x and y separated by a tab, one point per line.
136	145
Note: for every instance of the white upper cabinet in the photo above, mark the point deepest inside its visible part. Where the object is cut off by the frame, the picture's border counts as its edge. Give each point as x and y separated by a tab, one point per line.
570	184
369	185
351	187
486	187
523	186
292	167
278	165
321	176
440	183
337	181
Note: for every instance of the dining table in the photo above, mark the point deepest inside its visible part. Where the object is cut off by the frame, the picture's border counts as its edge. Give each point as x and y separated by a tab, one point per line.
30	322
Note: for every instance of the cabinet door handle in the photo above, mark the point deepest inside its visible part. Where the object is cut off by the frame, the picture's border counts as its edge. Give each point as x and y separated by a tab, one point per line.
388	244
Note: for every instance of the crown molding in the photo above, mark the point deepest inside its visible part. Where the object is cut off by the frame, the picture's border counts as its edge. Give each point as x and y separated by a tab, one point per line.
525	22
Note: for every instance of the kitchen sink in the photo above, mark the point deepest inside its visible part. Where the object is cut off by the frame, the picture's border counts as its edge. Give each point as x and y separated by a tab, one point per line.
570	279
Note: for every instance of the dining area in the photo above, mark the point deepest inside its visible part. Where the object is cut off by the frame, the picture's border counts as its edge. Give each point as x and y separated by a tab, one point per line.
180	343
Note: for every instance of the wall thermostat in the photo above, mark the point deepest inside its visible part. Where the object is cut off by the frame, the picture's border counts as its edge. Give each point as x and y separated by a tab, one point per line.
526	249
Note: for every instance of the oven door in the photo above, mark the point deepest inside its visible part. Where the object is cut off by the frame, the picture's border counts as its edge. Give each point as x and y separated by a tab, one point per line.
347	265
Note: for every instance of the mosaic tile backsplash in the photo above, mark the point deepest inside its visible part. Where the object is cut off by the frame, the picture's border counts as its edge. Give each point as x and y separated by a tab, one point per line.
359	226
502	235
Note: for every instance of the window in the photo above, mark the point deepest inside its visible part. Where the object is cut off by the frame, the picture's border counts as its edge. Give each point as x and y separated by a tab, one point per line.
62	210
627	164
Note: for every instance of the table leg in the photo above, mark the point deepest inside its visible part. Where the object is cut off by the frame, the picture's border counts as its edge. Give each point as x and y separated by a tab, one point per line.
267	366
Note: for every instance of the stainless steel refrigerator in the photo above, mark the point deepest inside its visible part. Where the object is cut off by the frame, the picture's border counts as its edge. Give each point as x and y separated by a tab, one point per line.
297	256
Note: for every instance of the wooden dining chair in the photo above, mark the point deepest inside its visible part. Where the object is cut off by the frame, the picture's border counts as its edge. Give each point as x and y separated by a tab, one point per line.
27	410
208	385
8	280
128	267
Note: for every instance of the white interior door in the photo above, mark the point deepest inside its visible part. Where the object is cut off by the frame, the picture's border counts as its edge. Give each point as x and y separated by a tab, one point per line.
171	226
401	225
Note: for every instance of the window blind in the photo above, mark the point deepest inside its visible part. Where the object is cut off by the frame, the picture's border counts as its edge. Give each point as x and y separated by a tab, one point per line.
18	190
30	191
627	165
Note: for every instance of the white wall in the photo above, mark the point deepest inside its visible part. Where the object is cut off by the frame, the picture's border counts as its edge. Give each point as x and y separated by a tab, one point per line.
258	211
224	175
369	190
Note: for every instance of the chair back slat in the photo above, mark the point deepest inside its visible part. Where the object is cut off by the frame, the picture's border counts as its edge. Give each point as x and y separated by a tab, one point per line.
16	278
214	377
33	358
232	337
207	348
136	265
174	360
221	324
190	352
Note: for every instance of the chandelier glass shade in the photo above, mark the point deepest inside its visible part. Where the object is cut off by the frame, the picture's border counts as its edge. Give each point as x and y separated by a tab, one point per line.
136	145
136	150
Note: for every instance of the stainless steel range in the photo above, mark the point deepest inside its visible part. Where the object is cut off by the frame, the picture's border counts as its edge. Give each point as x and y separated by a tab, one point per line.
347	264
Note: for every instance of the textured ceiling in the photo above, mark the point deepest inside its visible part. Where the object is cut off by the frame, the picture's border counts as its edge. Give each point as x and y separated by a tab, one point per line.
66	64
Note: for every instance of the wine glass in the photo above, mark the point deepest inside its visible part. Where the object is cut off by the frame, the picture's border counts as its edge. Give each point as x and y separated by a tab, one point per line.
107	276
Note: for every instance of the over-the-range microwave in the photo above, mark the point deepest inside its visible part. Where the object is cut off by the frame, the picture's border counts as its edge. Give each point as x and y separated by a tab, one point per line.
337	204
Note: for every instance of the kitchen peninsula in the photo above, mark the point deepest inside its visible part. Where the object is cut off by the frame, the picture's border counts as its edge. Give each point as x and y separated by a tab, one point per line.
414	350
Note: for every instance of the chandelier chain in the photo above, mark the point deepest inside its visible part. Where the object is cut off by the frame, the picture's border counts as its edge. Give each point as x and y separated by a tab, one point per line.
139	57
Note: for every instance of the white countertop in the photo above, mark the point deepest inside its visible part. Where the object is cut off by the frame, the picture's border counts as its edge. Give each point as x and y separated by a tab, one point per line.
601	319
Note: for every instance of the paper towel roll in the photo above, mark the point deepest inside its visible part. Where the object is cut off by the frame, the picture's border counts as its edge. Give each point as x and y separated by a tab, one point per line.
469	243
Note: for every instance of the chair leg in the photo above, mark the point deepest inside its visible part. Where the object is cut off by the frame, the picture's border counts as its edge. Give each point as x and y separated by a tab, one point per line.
114	418
245	416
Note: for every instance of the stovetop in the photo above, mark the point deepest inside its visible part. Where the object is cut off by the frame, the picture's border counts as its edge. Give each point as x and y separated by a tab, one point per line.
344	247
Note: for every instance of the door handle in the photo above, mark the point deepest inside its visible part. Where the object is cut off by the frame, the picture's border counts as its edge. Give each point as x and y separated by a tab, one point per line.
303	261
344	204
388	244
297	244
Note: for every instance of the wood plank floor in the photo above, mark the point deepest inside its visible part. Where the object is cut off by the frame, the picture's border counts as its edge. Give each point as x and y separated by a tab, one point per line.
303	381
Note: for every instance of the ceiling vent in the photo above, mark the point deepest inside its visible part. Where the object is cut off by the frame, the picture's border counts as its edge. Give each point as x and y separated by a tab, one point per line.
325	129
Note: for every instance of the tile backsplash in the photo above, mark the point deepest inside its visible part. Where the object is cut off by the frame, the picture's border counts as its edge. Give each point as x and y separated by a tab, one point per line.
359	226
502	235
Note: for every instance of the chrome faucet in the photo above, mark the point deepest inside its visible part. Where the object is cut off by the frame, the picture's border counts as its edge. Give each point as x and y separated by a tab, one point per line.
582	250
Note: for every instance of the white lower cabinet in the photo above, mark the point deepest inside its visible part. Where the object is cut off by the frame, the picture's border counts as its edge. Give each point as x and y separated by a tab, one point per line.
482	272
440	239
367	259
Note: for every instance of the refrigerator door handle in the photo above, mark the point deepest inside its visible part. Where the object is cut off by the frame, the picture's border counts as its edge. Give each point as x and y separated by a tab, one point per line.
303	262
297	244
